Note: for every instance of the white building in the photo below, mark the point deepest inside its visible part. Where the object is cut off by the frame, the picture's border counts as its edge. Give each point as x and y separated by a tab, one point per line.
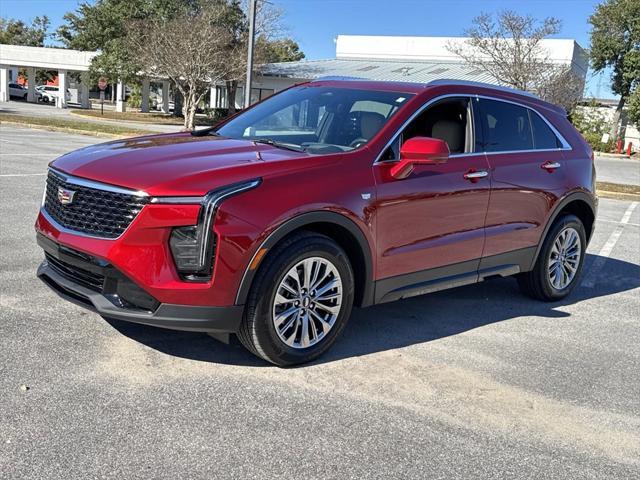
392	58
64	62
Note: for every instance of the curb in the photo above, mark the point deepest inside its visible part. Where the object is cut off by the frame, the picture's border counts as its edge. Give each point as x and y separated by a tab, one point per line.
616	156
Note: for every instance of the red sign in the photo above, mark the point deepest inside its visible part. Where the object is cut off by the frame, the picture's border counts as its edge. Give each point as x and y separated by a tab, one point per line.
102	83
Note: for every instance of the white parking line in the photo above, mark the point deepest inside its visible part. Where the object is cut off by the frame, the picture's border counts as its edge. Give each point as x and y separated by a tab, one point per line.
591	277
23	175
617	222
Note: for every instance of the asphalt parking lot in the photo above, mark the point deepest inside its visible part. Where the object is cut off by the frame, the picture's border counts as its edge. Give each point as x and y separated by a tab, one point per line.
477	382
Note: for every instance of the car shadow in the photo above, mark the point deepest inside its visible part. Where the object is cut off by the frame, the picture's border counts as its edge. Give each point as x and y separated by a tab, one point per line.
406	322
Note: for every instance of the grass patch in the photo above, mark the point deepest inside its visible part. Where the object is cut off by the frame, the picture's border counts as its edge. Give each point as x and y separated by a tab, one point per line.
618	188
151	117
618	191
73	126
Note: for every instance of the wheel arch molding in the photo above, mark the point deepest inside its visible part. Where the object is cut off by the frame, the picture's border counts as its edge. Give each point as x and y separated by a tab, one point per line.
579	203
344	231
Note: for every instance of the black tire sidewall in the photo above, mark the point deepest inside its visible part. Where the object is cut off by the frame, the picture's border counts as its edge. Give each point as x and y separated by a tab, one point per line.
269	344
543	260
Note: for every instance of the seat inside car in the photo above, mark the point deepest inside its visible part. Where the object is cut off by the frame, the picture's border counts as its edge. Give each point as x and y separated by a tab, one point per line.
452	132
364	126
446	121
370	124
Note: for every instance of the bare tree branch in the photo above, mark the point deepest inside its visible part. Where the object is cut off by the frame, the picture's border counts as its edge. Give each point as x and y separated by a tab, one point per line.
191	50
510	50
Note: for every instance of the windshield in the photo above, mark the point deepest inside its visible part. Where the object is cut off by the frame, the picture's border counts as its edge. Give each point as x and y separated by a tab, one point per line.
317	119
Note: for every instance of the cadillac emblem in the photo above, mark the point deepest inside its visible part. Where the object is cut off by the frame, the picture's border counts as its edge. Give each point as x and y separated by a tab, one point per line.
65	197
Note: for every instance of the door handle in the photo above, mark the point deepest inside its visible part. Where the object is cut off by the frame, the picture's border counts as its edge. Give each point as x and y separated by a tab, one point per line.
474	176
550	166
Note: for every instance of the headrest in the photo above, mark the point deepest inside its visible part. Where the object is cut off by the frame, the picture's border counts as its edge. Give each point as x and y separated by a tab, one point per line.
370	124
451	132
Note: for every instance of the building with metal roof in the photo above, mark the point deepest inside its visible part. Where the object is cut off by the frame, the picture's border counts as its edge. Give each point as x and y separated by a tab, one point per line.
392	58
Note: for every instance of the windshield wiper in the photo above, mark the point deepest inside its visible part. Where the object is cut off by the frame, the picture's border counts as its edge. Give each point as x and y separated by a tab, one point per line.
274	143
205	131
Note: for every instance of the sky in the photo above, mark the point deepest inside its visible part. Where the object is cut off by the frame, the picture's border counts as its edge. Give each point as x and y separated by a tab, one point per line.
315	24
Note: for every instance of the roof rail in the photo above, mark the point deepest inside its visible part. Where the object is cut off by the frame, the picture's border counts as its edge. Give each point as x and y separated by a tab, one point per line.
338	77
451	81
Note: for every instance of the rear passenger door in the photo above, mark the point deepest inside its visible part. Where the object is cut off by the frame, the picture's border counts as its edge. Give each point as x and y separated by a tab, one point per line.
525	157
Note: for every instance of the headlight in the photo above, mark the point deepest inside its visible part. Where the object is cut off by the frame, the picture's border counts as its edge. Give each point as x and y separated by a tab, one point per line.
193	247
185	248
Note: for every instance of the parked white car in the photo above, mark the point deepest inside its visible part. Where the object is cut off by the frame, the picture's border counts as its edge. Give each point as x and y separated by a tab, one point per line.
49	93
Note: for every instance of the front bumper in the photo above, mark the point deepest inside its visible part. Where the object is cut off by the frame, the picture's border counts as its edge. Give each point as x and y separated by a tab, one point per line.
75	276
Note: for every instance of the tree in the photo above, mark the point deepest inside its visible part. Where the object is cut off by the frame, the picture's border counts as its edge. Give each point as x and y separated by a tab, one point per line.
634	107
189	49
615	44
127	32
279	50
509	49
16	32
103	26
270	44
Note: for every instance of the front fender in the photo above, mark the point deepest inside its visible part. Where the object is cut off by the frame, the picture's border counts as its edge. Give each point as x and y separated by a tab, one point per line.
299	222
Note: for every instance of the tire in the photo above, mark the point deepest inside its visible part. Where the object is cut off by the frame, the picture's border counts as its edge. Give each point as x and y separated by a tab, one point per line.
540	283
258	331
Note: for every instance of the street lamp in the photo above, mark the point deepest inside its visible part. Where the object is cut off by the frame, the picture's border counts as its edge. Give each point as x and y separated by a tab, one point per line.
252	29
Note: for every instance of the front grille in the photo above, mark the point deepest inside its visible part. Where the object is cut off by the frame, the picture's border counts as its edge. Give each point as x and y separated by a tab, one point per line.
93	281
96	212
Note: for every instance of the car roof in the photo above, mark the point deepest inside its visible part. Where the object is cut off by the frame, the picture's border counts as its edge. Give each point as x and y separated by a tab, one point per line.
416	88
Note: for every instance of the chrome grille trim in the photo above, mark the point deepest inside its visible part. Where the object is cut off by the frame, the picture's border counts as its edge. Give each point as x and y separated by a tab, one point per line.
98	210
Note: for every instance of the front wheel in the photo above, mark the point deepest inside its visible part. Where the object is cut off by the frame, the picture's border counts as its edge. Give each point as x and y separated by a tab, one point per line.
300	301
559	263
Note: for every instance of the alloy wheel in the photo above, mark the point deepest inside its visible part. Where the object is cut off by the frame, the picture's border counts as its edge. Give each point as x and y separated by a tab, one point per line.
564	258
307	302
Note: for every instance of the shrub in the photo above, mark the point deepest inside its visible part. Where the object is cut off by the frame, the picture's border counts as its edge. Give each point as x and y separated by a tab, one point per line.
217	114
592	124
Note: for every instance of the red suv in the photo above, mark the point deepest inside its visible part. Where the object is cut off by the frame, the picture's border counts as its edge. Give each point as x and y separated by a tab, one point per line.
330	194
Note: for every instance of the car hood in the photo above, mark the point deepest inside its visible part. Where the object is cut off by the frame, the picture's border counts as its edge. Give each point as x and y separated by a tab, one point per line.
175	164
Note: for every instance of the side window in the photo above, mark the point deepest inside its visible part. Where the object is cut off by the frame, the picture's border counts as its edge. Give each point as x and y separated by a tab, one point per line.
448	120
506	126
543	136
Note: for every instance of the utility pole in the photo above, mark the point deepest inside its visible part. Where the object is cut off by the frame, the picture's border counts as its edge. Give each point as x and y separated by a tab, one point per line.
252	31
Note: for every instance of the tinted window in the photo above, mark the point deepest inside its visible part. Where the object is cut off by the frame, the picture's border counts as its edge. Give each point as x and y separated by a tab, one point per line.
543	136
446	120
506	127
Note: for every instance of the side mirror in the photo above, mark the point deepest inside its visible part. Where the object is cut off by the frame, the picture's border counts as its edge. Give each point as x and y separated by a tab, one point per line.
419	151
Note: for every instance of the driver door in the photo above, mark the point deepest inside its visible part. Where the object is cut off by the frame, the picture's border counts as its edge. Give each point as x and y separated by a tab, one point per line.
431	224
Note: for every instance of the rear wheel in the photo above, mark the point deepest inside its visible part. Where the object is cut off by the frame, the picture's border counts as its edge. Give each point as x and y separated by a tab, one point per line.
300	301
559	263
